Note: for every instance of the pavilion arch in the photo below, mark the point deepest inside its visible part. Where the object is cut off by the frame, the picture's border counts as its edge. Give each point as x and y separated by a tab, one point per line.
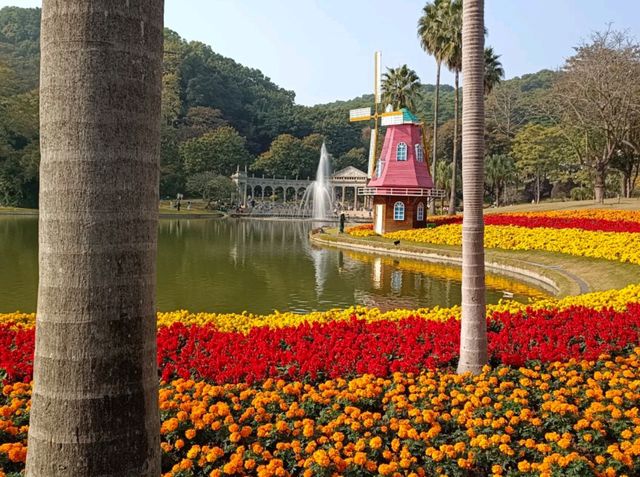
268	192
279	193
290	194
300	193
257	192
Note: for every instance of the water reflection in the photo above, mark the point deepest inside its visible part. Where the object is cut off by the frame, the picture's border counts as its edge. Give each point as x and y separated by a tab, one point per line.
258	266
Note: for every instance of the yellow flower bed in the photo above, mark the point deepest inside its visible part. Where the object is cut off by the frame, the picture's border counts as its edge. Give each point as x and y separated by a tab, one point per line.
618	246
365	230
244	322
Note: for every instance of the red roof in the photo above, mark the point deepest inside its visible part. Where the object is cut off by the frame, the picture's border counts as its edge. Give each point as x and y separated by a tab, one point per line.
403	173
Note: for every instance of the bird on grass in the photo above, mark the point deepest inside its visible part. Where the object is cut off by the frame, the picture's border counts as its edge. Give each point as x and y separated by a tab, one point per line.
397	242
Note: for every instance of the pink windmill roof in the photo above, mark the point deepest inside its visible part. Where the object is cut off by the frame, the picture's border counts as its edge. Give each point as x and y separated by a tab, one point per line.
409	173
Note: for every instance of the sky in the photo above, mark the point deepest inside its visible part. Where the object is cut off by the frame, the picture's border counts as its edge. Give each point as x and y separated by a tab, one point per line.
323	49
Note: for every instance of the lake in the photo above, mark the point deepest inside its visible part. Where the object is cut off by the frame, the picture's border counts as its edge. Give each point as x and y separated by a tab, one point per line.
234	265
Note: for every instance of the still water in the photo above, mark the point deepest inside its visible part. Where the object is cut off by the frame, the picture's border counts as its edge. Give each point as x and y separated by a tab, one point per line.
258	266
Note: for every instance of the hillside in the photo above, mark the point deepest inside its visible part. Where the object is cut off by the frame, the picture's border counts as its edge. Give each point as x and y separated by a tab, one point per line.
202	92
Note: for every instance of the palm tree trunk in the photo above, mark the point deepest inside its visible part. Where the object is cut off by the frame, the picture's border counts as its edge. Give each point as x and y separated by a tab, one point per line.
456	120
434	154
95	395
473	334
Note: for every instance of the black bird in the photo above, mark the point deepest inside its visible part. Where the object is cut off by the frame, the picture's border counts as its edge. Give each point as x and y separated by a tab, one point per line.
397	242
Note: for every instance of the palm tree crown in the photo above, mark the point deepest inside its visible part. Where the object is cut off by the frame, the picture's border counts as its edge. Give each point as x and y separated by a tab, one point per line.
452	41
432	28
400	87
493	71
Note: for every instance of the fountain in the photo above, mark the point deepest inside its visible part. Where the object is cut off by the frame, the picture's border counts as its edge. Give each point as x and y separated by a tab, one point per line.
316	201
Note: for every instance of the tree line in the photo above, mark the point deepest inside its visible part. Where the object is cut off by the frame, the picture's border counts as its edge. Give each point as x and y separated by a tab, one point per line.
547	136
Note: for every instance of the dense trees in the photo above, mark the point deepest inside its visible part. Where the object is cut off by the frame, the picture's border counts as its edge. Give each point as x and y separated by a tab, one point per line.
290	156
220	151
204	91
596	102
211	186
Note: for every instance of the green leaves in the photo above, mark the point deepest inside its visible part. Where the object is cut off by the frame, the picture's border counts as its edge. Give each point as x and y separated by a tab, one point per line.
220	151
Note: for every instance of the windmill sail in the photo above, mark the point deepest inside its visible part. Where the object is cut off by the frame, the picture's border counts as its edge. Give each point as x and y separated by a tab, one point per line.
360	114
372	152
377	79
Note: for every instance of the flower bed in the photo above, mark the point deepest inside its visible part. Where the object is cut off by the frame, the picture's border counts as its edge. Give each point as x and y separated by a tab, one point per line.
360	392
575	418
365	230
589	219
342	349
618	246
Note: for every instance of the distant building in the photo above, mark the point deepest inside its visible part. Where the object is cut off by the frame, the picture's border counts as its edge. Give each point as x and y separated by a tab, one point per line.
344	186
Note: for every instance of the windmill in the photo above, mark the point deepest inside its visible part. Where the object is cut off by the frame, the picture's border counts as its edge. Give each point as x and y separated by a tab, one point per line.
387	117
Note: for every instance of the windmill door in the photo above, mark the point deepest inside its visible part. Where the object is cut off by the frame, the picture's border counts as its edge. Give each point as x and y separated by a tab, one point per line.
378	218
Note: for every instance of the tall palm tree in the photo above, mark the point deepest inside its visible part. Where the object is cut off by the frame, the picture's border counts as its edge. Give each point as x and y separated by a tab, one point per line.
95	395
499	170
493	71
400	87
473	334
452	18
432	35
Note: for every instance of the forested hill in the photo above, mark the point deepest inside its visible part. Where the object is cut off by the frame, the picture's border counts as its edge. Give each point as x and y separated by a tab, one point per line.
217	114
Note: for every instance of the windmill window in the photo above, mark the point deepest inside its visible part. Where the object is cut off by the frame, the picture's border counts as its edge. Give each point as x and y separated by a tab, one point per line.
401	152
420	213
419	153
398	211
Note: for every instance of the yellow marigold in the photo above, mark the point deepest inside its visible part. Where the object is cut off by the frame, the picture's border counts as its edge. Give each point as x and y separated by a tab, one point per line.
375	443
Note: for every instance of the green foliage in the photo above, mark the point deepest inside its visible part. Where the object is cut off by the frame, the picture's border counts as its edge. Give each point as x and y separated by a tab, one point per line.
356	157
400	87
20	44
220	151
493	71
542	152
499	170
290	156
202	93
211	186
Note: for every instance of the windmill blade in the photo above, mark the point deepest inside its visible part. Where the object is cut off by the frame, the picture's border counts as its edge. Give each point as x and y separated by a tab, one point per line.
372	152
377	79
391	119
360	114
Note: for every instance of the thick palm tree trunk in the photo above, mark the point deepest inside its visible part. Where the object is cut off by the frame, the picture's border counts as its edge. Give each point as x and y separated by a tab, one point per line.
434	154
95	396
473	337
454	168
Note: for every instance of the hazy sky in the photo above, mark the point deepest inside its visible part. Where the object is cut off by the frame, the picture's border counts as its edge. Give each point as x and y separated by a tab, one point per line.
323	49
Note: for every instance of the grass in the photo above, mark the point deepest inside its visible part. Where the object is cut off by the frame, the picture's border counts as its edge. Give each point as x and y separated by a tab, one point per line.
197	208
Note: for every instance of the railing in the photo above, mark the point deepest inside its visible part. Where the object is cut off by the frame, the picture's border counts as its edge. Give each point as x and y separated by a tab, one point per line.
402	191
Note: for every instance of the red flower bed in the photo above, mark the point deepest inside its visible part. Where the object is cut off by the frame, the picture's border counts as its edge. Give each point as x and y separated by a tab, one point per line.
563	223
344	349
551	222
